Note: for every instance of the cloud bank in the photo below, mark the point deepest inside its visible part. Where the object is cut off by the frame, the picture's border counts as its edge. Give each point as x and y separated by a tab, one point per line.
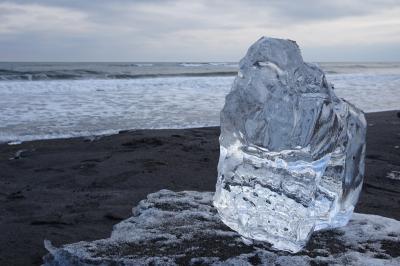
204	30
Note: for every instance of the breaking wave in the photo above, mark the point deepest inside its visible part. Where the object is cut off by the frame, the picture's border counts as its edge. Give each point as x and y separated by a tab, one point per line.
116	70
88	74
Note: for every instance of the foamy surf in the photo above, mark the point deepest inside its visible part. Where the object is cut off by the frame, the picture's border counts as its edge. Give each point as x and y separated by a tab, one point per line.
48	109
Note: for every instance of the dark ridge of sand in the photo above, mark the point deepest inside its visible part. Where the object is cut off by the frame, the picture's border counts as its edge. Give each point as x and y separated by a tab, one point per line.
69	190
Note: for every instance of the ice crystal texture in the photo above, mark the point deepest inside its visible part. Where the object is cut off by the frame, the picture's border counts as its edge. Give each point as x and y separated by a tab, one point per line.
291	152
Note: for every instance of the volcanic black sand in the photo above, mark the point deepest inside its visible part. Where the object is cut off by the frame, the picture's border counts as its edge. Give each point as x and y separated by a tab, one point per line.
69	190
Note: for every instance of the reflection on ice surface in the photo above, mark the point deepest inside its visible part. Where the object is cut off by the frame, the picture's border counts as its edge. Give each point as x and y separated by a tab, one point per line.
291	152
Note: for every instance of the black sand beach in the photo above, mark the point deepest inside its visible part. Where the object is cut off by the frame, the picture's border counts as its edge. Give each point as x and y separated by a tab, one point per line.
69	190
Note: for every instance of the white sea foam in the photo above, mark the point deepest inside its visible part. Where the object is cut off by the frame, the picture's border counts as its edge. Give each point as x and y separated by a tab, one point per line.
143	64
66	108
192	64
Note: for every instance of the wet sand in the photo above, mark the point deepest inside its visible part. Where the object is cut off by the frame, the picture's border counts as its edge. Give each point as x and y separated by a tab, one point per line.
69	190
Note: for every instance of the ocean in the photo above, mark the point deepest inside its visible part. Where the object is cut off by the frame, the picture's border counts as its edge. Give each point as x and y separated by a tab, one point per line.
61	100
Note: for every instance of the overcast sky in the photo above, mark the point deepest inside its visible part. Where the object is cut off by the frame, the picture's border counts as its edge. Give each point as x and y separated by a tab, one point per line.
189	30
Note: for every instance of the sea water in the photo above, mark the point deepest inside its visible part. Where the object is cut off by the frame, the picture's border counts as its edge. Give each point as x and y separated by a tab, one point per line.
58	100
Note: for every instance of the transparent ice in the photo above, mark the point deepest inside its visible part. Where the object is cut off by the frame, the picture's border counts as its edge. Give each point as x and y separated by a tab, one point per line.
291	152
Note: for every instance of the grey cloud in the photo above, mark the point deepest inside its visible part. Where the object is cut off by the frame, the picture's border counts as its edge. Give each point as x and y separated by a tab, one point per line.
171	30
325	10
258	12
282	9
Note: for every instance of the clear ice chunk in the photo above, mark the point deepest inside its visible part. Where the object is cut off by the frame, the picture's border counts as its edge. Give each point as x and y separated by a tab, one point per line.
291	152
